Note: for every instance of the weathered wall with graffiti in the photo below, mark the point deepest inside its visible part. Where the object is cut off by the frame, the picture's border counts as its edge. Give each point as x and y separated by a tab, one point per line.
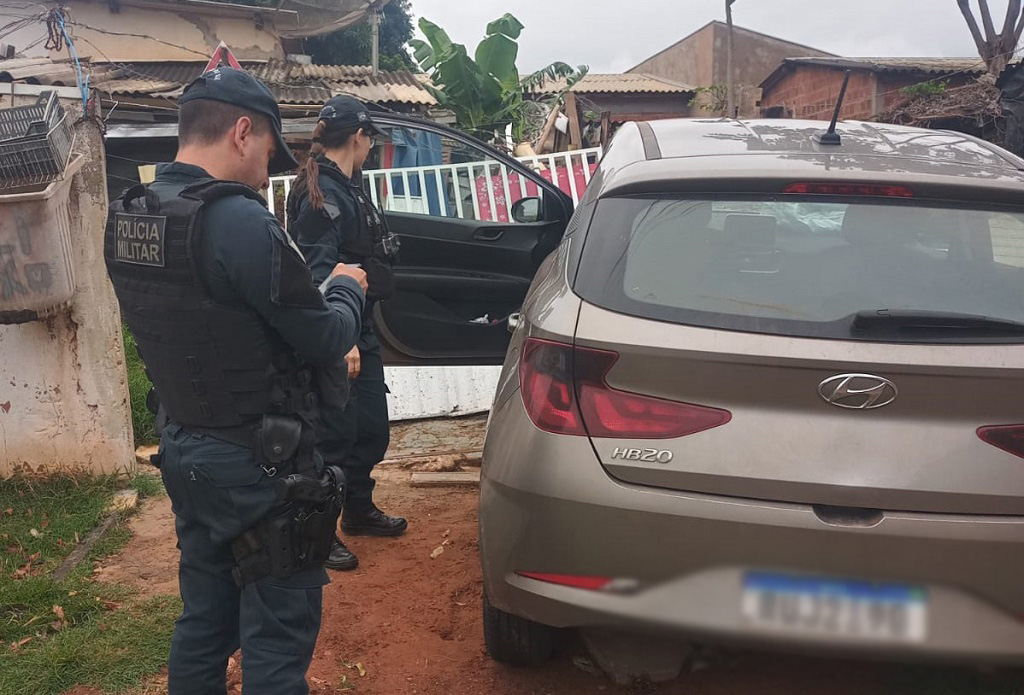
63	390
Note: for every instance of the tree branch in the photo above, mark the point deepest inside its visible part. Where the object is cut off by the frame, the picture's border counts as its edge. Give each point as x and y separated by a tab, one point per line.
1012	14
986	18
1020	27
972	24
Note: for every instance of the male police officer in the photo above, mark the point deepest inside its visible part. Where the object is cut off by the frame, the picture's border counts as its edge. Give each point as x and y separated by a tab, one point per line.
230	326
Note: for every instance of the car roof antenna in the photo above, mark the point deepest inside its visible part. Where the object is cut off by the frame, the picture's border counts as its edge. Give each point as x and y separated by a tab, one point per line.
830	136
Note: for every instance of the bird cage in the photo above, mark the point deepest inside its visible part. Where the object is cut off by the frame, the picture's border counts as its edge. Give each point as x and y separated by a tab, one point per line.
35	144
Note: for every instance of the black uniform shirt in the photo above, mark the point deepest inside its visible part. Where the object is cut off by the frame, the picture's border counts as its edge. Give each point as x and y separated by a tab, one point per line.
323	234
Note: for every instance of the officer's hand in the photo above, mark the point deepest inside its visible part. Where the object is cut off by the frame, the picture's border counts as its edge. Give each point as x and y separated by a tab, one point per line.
354	362
357	274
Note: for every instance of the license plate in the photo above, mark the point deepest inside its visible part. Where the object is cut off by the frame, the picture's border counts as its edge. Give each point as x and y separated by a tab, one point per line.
835	607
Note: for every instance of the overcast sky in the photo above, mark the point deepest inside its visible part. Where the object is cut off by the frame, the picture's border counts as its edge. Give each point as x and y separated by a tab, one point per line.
615	35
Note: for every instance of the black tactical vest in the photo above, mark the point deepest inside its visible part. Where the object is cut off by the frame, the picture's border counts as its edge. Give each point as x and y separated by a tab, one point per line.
213	366
371	244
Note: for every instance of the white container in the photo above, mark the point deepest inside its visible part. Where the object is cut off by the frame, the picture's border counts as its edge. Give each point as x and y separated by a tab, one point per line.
37	271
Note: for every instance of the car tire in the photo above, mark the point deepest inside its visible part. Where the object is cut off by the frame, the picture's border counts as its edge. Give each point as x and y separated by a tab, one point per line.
516	641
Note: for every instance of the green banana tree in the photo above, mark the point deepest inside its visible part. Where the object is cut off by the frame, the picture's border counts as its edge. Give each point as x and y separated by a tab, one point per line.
486	92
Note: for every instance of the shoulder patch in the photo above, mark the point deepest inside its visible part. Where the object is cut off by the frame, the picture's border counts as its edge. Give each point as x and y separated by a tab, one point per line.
140	239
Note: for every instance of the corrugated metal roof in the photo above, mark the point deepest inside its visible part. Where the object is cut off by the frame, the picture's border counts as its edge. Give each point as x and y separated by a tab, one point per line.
291	83
59	73
627	83
931	66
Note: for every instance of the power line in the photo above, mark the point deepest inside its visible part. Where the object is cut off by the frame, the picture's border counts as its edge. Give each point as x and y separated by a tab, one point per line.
139	36
131	159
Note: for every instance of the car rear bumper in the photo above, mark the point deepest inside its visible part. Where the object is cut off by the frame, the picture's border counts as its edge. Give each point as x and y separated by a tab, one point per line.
548	507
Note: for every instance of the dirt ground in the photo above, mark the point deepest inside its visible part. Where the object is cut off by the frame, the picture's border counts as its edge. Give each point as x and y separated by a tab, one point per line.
412	624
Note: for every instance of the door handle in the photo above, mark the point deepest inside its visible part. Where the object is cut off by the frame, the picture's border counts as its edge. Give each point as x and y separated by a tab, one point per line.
488	234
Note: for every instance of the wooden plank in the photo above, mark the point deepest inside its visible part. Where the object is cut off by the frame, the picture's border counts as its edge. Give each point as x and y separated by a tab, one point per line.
459	479
606	128
123	501
572	110
545	134
81	551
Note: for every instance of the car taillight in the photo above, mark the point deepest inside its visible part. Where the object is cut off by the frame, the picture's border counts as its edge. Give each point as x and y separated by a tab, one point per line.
565	391
545	378
1009	438
865	189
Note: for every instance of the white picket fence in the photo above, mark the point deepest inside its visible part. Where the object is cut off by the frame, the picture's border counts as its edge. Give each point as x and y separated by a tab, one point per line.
472	190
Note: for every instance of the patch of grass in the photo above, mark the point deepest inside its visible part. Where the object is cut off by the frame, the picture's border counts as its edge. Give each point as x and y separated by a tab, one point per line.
42	522
148	483
54	635
138	389
41	519
113	651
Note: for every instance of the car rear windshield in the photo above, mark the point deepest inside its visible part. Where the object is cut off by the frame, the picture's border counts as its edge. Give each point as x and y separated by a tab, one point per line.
810	266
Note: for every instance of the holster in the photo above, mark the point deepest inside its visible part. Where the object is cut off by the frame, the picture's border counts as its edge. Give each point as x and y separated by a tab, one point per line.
300	531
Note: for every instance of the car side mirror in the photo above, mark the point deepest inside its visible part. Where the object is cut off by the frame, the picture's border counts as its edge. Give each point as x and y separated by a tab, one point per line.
526	210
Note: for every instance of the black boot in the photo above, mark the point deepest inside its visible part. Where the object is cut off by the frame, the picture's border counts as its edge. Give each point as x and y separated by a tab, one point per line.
341	558
372	522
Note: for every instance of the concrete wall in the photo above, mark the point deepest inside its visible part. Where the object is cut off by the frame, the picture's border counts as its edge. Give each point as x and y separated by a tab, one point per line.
63	388
755	56
186	33
701	60
691	61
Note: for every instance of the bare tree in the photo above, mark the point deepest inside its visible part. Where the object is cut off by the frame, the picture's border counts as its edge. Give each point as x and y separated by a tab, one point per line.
995	49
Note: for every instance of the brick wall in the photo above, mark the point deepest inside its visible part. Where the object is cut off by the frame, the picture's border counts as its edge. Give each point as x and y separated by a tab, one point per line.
811	92
891	87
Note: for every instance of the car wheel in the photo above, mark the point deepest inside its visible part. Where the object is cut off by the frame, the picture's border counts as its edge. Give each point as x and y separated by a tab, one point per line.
516	641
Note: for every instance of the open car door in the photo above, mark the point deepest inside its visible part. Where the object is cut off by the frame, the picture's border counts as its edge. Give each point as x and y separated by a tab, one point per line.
474	226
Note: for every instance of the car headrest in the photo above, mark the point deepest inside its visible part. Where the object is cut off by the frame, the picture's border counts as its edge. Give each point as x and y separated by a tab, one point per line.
751	231
881	225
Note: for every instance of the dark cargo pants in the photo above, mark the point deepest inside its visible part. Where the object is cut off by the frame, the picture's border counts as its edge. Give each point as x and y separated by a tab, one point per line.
217	492
357	437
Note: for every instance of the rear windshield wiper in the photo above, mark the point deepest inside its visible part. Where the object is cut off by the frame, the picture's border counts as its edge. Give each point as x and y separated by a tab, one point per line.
934	320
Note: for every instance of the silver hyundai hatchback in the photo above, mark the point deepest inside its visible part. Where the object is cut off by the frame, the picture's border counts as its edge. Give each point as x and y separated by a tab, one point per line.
770	390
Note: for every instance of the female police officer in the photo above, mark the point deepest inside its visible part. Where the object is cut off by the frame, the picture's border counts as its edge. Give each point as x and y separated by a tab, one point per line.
333	221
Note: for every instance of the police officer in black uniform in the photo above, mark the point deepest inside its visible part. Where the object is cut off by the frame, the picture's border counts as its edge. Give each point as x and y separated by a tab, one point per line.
333	221
232	329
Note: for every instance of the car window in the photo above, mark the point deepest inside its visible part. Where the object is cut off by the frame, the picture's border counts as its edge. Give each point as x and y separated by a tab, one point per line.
418	171
800	267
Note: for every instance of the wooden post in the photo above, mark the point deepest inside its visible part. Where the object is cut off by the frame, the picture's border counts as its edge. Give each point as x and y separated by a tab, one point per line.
546	133
572	109
375	39
606	128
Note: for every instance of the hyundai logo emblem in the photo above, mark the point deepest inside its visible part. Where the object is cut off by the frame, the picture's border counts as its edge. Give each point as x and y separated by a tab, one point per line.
858	391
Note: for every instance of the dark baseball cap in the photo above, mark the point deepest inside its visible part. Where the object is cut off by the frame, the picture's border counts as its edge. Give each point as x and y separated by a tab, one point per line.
237	87
344	111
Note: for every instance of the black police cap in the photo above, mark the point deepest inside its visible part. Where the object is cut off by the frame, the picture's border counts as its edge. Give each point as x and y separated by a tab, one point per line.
344	111
237	87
